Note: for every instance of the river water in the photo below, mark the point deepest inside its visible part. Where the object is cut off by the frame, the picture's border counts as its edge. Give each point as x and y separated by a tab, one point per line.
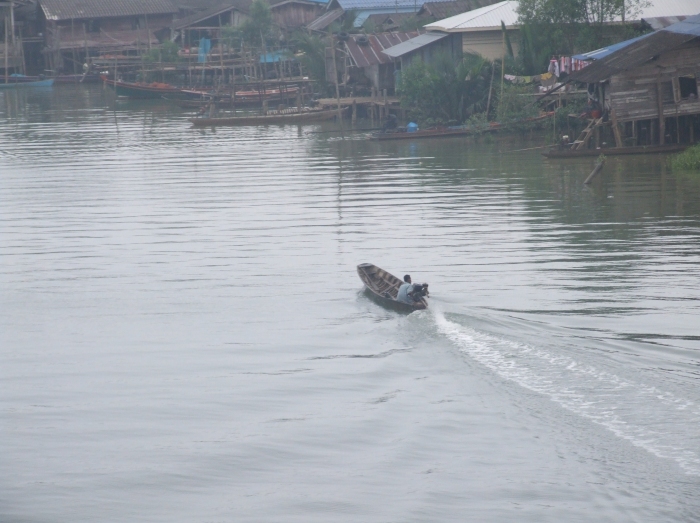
184	338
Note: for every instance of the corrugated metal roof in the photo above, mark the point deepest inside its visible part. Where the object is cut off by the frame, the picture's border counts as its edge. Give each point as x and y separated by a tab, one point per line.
362	16
640	51
372	53
484	18
361	5
325	20
446	9
599	54
413	44
241	5
663	21
489	17
80	9
661	8
393	19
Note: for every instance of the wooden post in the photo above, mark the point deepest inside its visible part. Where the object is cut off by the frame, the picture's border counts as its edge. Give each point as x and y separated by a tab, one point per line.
660	108
691	131
6	50
354	112
596	170
488	102
337	88
148	33
616	129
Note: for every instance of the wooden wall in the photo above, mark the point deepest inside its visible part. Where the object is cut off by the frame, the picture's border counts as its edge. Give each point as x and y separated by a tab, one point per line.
294	15
634	94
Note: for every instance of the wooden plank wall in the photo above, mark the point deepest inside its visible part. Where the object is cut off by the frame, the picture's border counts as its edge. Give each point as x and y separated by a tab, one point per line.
634	93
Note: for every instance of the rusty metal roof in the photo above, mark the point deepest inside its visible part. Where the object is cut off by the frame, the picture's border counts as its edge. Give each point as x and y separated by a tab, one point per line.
82	9
371	53
640	51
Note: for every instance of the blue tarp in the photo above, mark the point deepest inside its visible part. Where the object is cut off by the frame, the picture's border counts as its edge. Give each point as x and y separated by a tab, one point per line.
275	56
204	48
605	51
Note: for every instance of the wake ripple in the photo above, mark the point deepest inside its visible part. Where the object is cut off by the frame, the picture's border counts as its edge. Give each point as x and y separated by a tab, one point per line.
646	416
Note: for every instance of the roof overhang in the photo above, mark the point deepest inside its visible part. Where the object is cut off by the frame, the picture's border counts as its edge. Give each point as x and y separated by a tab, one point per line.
414	44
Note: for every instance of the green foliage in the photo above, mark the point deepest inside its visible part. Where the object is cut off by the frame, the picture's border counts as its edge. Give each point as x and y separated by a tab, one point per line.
413	23
565	27
258	28
312	57
688	160
578	11
346	23
231	36
166	52
515	105
444	93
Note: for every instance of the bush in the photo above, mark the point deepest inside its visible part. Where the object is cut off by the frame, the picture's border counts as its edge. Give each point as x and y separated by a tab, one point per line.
514	105
689	160
442	92
166	52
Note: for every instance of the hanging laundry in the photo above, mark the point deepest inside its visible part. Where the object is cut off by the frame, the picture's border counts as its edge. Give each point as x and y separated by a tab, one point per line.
554	67
565	64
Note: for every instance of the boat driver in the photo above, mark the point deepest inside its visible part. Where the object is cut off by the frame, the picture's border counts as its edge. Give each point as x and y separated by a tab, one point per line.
406	291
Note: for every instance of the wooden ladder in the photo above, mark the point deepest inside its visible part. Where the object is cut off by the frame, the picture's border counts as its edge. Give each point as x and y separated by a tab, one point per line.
582	141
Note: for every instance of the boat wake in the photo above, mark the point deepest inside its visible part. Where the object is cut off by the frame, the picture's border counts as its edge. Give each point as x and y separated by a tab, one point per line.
650	418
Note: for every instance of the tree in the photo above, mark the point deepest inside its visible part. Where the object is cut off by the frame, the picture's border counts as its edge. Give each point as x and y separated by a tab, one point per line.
441	91
313	56
589	12
569	26
258	27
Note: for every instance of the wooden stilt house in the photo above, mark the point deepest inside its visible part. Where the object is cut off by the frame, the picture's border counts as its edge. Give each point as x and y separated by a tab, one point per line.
647	89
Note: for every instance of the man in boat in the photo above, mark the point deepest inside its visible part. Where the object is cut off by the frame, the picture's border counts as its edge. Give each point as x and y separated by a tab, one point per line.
410	293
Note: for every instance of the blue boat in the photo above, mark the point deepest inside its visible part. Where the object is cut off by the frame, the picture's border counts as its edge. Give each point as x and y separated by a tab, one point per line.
19	80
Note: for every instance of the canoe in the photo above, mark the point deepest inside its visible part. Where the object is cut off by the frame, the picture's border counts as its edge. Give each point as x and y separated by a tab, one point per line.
383	287
142	90
272	118
48	82
443	132
615	151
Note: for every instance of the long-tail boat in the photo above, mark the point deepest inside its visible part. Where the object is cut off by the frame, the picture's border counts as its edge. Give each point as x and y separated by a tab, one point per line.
19	80
383	287
285	116
556	152
143	90
460	130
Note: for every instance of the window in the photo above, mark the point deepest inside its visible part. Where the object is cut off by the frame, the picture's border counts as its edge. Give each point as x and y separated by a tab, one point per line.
688	86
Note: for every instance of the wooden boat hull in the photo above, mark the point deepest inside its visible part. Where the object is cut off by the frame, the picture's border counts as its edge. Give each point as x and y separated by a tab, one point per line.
446	132
580	153
383	287
270	119
142	91
39	83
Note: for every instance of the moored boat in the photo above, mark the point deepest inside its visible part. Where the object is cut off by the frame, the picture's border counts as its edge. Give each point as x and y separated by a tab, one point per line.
443	132
143	90
286	116
614	151
383	287
19	80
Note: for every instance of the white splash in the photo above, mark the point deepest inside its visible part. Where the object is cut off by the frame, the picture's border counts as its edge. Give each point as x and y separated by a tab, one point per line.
595	394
